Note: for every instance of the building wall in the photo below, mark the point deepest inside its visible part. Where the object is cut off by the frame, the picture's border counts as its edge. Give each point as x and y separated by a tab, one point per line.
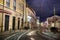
33	17
53	22
11	13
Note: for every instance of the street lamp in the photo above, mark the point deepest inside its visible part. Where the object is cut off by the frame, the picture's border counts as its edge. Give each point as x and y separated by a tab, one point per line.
29	20
54	16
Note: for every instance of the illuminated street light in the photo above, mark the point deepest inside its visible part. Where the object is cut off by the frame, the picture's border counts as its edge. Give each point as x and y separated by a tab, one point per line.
29	18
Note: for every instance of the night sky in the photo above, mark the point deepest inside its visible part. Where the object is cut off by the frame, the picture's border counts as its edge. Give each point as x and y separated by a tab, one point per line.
44	8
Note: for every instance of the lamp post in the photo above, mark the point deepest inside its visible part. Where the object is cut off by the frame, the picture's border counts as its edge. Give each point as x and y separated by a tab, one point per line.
29	20
54	17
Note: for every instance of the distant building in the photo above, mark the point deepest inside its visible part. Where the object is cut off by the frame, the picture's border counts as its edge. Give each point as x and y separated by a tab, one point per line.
54	21
11	14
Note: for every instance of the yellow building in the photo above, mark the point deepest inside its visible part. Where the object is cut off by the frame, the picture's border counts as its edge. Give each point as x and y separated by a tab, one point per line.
54	21
30	17
11	14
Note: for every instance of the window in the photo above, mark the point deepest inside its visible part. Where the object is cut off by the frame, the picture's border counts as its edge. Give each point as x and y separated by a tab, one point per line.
8	3
21	6
14	5
6	22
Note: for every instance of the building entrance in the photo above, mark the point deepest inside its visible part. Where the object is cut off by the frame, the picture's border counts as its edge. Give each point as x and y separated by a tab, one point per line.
13	24
6	22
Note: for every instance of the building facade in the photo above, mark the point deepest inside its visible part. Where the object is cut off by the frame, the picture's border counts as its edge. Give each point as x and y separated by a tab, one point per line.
11	14
54	21
31	17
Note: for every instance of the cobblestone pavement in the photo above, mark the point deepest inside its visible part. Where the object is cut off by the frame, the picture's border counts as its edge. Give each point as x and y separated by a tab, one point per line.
31	35
11	35
3	35
35	36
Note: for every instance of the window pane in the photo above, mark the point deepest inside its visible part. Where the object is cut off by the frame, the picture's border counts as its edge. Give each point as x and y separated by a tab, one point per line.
14	8
7	0
8	3
14	4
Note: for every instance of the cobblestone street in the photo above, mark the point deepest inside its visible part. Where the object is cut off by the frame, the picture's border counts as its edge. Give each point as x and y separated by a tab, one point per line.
36	36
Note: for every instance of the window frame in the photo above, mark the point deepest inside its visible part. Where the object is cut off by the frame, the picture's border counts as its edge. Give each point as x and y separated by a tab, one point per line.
8	3
14	4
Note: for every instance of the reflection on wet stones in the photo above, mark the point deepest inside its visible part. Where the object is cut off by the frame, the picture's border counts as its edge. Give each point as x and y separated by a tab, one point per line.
25	37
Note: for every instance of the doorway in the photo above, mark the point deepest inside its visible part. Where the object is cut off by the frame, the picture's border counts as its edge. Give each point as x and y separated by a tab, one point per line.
13	24
6	22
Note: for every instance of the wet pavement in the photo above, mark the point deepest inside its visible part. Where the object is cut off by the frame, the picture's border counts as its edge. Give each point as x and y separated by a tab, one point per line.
6	34
32	35
36	36
11	35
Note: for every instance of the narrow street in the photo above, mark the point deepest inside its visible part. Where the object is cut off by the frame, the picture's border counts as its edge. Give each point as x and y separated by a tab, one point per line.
33	35
13	36
16	36
29	19
29	35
